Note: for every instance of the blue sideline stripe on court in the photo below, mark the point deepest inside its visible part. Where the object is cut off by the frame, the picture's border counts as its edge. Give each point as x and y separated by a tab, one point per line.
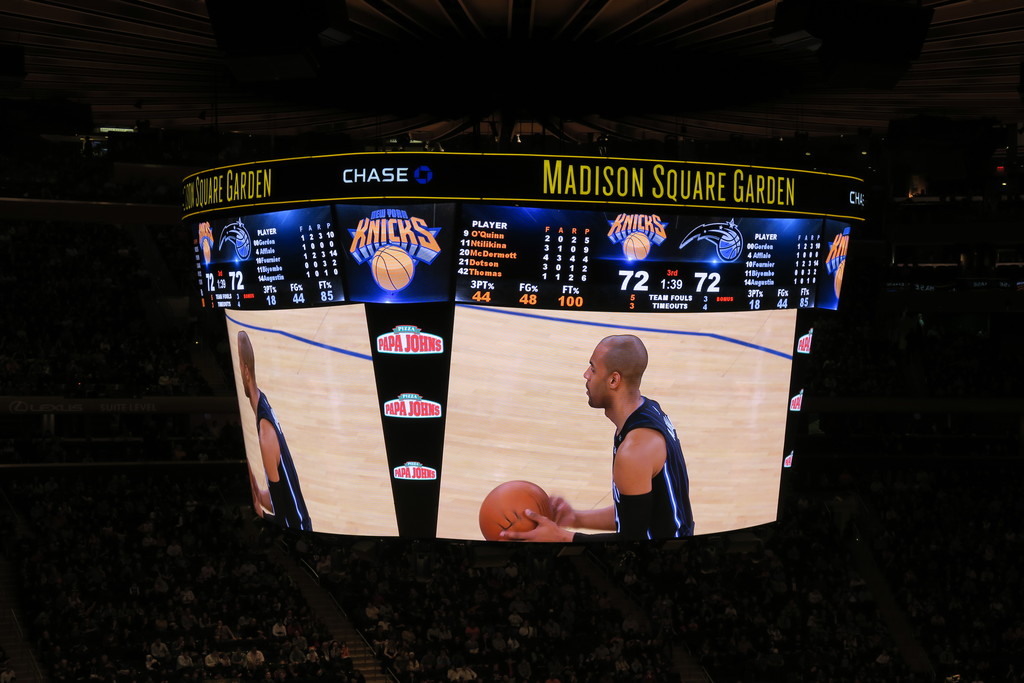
712	335
301	339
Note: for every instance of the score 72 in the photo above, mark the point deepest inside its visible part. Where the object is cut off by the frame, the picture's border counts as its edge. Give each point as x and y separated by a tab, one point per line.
641	276
641	280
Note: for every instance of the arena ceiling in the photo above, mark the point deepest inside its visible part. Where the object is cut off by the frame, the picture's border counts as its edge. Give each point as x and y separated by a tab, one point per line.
574	69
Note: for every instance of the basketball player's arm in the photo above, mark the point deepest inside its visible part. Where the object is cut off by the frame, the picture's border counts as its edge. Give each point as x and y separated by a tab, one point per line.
270	449
566	515
270	453
638	459
260	496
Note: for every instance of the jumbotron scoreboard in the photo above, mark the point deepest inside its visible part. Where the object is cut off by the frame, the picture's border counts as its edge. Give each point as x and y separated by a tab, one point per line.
422	253
530	231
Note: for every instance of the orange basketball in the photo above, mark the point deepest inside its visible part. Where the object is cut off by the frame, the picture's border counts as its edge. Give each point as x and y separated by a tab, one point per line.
502	509
392	268
636	246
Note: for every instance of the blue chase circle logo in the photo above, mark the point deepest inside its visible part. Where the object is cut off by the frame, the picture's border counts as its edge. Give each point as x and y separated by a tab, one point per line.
423	175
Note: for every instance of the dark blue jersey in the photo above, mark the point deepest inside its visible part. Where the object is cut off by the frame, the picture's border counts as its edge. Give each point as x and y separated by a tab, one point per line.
285	493
667	514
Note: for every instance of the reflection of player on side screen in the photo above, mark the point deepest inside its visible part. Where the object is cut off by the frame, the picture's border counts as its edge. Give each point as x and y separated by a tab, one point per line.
283	496
650	487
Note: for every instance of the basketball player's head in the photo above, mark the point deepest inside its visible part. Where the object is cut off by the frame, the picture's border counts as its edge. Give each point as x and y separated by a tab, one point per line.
615	370
246	363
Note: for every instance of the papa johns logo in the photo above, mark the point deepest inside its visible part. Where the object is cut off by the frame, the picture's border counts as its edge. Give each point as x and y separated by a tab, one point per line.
409	340
411	406
803	345
416	471
797	402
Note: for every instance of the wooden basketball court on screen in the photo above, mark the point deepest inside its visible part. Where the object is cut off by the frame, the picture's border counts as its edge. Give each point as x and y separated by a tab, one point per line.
517	409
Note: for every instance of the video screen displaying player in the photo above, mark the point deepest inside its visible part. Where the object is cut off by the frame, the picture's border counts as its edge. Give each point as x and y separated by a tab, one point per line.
650	486
314	364
722	377
282	498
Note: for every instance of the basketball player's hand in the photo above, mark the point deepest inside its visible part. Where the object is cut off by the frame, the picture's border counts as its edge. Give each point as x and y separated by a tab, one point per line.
562	512
546	530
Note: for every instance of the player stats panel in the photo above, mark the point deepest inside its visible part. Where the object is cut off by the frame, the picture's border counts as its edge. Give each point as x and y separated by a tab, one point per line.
278	259
639	260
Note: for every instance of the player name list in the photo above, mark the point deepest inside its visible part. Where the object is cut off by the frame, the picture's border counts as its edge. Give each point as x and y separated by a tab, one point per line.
781	273
545	265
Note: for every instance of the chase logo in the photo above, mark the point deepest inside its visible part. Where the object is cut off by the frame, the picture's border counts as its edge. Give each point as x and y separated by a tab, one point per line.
414	470
392	241
637	232
237	236
423	175
390	174
411	340
412	406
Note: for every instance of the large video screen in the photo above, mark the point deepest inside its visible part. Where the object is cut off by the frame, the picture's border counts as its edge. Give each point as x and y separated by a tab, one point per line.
413	330
410	443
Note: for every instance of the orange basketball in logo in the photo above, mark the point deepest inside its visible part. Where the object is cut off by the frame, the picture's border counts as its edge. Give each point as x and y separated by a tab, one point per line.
636	246
392	268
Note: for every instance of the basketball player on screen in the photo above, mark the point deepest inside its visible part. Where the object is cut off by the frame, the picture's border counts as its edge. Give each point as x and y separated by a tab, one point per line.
650	487
282	500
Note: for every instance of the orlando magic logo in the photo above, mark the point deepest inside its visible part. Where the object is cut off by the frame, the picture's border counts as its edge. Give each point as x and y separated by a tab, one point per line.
726	237
237	236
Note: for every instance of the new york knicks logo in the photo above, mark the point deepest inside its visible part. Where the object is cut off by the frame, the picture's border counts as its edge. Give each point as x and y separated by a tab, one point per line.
637	233
726	237
237	236
392	241
206	242
835	263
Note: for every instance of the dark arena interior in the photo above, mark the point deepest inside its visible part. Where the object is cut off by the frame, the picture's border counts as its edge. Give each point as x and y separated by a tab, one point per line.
133	550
